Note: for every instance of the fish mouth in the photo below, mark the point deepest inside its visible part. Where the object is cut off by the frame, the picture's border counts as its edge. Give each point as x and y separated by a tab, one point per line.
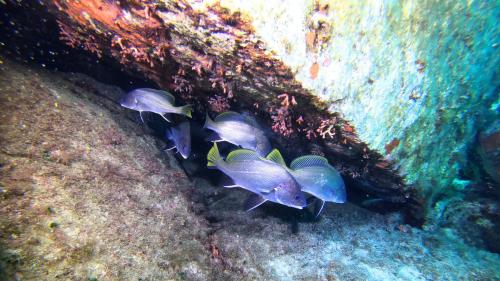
123	102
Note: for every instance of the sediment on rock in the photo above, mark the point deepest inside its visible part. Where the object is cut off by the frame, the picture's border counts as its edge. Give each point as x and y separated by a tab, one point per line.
87	194
211	57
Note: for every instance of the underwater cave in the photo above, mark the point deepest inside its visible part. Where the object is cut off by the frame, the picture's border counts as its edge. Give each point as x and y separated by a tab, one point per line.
397	102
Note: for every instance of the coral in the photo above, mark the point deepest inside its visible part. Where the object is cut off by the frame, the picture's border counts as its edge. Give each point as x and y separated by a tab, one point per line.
222	82
210	54
287	101
218	103
282	121
390	81
74	39
125	211
182	85
282	116
326	127
68	35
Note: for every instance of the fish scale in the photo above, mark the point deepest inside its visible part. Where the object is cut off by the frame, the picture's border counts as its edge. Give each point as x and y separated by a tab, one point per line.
265	178
239	130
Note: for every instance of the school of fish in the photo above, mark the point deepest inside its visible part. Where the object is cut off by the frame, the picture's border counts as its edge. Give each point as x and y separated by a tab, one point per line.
256	167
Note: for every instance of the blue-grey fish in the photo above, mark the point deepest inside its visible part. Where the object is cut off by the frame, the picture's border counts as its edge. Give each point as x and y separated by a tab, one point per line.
240	130
262	176
318	178
151	100
180	135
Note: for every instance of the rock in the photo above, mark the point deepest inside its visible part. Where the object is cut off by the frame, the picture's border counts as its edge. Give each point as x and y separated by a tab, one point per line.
489	152
212	55
380	84
88	195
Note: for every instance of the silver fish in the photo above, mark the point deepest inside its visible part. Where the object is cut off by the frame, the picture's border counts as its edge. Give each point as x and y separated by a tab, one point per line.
240	130
318	178
151	100
262	176
180	135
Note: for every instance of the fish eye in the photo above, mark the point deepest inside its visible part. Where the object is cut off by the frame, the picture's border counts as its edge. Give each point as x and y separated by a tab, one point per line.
297	197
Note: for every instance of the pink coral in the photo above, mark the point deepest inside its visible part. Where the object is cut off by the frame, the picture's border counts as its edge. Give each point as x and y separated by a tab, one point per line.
310	134
226	87
218	103
326	128
68	35
74	39
282	116
182	85
287	100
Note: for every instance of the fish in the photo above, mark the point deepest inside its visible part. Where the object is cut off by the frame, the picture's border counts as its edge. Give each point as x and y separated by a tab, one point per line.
238	129
156	101
318	178
180	135
265	177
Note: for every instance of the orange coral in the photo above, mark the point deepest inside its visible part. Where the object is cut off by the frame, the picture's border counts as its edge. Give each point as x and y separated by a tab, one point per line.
313	71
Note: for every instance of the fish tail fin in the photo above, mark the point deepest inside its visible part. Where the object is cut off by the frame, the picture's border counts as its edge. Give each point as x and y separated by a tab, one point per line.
213	156
186	110
208	122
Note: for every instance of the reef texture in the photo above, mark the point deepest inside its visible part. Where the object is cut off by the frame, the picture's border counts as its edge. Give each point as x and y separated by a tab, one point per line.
383	89
416	80
211	56
87	194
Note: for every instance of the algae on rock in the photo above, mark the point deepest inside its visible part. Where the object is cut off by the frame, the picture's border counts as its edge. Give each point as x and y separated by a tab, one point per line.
417	79
85	192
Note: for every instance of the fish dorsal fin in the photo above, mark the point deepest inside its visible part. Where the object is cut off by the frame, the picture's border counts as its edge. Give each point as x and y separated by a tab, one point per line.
167	95
242	154
230	116
276	157
309	161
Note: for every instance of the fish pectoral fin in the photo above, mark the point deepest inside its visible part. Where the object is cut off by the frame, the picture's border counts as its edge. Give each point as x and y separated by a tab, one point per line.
167	148
142	119
214	137
318	207
165	117
254	201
